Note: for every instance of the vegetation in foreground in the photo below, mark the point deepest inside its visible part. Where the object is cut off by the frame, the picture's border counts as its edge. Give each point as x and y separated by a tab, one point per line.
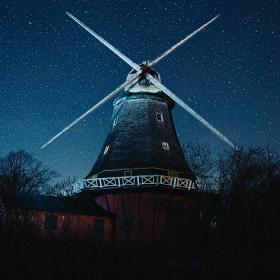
236	237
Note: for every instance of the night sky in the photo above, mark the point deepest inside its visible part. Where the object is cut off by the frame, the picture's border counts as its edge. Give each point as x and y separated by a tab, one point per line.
52	71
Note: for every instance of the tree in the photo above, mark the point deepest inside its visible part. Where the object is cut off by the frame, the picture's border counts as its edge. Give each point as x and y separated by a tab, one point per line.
202	164
66	187
248	168
21	172
248	177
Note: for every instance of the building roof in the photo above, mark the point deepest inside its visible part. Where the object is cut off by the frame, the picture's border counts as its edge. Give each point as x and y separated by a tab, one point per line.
67	204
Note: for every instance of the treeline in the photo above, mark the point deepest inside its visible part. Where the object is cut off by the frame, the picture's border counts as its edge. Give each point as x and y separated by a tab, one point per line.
236	234
240	213
21	172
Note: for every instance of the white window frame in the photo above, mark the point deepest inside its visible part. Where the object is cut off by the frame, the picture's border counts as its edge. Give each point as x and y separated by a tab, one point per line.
106	150
165	146
127	173
115	121
161	117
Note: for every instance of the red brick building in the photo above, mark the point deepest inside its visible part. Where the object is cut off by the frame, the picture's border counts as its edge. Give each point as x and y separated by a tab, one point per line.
59	216
148	215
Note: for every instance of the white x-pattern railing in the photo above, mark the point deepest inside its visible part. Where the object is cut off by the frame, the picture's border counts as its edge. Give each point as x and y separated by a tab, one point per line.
137	181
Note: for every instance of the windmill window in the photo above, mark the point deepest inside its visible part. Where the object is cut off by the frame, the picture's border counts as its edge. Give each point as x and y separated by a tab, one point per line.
165	146
127	223
172	173
98	230
106	150
51	222
115	121
159	117
128	173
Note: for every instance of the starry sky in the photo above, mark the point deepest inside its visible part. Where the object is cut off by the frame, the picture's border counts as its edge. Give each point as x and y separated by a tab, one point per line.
52	71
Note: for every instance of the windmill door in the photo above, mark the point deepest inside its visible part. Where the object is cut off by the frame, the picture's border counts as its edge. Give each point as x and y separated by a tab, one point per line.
98	230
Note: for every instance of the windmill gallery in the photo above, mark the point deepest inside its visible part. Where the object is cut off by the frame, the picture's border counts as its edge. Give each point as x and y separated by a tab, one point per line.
140	187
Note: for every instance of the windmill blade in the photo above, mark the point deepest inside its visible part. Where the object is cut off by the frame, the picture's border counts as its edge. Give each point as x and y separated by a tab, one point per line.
107	44
172	49
188	109
93	108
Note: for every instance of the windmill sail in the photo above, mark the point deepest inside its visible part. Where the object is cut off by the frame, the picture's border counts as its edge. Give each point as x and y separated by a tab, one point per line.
92	109
176	46
107	44
143	71
189	109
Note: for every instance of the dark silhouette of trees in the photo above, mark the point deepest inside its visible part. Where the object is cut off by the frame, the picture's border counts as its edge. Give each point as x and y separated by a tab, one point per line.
249	194
235	232
21	172
248	177
239	233
203	165
248	169
66	187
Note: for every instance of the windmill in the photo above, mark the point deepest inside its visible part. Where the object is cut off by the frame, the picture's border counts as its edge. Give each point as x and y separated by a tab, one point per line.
142	146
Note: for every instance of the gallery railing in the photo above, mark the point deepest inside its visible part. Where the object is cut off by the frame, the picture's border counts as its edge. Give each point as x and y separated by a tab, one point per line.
139	181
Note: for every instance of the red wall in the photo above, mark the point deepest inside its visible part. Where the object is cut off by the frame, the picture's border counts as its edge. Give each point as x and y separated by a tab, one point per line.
149	215
70	224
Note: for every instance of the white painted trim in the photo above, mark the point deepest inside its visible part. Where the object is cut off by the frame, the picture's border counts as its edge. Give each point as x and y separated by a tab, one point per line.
136	168
138	181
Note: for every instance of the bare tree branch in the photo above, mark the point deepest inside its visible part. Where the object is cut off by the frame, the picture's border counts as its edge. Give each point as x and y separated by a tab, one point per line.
21	172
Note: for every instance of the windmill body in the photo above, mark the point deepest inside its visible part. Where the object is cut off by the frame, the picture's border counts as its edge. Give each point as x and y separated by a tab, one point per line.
142	139
139	164
141	174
